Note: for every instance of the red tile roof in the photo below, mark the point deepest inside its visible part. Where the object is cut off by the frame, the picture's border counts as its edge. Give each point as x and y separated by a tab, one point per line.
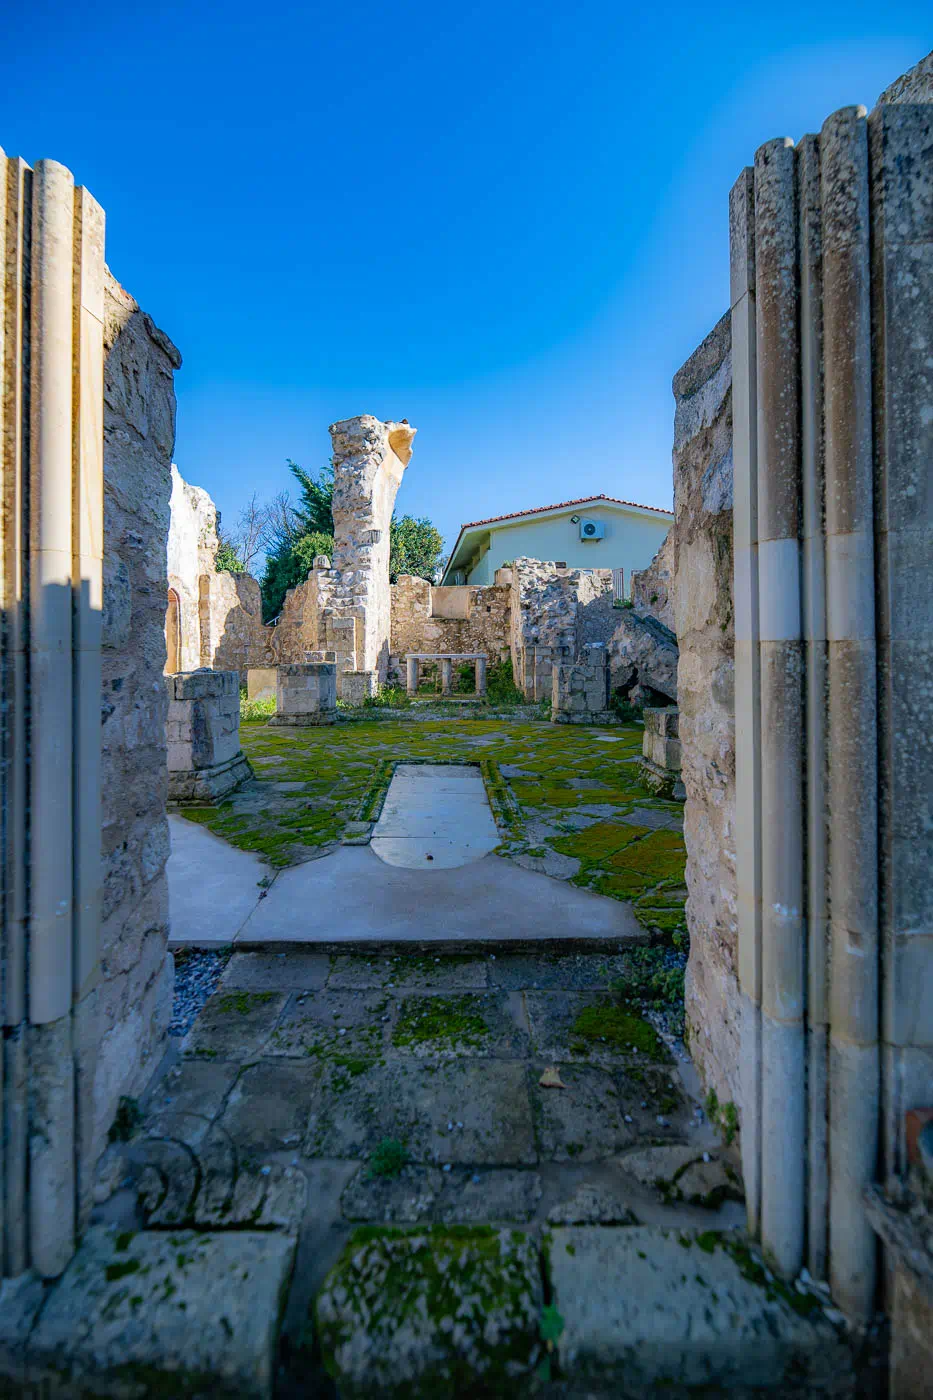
538	510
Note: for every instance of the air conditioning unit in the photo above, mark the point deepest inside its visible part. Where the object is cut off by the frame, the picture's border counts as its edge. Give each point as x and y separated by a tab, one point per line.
592	529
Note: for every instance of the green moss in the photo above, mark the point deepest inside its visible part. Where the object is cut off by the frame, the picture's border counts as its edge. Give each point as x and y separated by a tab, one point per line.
243	1002
440	1021
121	1270
127	1120
597	842
388	1158
609	1023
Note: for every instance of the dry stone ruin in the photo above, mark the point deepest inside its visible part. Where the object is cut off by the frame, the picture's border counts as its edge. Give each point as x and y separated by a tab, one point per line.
781	640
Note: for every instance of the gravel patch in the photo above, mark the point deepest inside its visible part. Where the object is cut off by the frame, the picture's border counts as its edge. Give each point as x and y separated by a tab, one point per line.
197	975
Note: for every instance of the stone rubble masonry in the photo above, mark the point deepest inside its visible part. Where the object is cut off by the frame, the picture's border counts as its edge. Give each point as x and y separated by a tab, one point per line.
456	619
214	619
306	694
205	761
344	605
661	753
556	613
652	588
703	618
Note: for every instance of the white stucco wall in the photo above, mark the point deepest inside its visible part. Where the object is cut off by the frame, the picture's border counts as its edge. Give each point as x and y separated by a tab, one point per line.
630	542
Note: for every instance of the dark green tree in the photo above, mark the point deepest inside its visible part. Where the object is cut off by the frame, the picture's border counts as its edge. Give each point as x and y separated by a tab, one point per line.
416	548
315	510
290	566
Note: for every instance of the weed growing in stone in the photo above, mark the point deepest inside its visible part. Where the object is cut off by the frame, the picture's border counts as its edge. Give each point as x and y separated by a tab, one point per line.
388	1158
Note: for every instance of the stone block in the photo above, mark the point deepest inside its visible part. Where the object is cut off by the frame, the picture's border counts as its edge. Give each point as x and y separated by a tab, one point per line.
260	682
186	1313
356	686
470	1324
205	761
306	694
695	1312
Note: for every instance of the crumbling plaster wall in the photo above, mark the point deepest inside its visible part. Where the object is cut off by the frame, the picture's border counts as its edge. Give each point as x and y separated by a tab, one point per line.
703	619
134	995
485	626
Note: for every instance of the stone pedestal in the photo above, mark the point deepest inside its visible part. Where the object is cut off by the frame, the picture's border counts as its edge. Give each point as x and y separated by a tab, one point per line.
357	686
306	694
661	757
580	693
205	761
260	682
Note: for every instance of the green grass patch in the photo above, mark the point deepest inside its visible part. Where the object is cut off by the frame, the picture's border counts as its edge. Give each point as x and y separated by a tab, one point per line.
610	1024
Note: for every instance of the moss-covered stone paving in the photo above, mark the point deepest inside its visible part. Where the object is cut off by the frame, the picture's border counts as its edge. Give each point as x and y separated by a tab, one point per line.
567	799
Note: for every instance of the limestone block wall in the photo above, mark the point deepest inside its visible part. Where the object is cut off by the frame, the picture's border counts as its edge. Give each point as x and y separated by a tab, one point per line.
701	565
86	987
135	990
483	623
233	635
192	551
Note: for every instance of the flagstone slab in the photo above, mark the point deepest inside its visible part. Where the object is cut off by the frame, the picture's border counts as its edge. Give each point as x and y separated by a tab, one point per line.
582	1122
186	1313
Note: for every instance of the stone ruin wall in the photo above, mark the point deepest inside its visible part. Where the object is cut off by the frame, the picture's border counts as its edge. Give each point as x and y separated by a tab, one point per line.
701	567
219	621
192	551
134	995
485	625
652	589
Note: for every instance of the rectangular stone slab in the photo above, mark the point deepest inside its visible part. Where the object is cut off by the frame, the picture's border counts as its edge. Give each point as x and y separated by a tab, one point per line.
195	1313
642	1305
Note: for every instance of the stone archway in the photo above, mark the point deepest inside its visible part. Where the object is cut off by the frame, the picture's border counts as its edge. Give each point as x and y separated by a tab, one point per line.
173	633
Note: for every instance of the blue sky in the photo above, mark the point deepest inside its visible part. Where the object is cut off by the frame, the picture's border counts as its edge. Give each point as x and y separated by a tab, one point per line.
505	223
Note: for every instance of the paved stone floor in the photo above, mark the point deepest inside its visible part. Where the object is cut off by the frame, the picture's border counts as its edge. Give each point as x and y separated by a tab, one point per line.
315	1093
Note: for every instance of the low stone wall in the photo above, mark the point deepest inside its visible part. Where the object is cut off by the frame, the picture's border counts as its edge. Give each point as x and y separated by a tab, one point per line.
552	607
580	691
705	632
461	619
134	995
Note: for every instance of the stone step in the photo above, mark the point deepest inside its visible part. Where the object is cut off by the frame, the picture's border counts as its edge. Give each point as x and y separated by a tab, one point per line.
622	1312
181	1313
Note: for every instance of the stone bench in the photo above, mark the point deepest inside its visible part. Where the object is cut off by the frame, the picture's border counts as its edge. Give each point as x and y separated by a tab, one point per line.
413	661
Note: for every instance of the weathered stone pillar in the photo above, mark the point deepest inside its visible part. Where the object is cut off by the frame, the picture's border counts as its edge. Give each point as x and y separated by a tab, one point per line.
832	449
481	675
661	753
447	675
51	347
370	458
306	694
205	761
411	675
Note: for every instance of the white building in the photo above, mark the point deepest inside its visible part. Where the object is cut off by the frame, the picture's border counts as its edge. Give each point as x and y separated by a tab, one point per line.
597	532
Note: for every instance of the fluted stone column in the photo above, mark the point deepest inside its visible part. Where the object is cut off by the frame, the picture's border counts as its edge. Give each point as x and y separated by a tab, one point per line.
481	675
51	348
447	675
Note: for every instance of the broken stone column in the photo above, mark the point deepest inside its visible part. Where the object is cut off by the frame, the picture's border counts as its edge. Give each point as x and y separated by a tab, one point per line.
661	753
205	761
370	458
580	693
306	694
